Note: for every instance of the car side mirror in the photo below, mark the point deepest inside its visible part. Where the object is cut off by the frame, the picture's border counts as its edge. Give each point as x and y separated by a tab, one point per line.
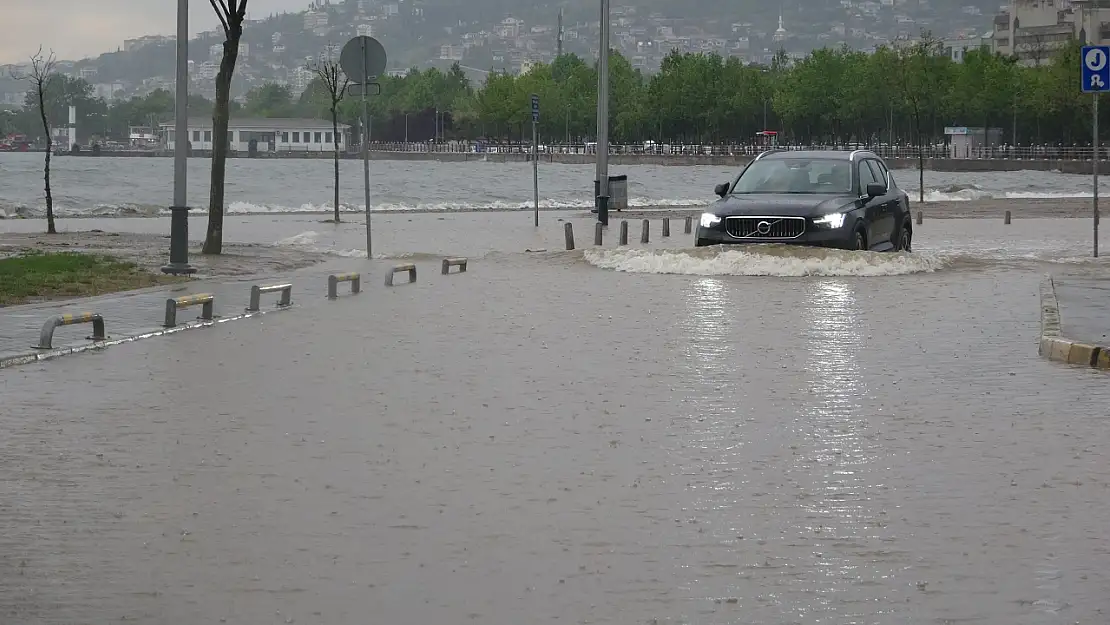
875	189
721	189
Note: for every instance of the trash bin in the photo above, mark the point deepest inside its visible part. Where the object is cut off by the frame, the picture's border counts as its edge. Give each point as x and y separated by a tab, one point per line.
618	192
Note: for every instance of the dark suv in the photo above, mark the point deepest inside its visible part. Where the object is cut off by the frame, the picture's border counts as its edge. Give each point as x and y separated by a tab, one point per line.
837	199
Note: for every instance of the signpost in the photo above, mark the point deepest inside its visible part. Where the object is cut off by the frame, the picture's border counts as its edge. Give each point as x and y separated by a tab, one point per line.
601	185
1096	79
535	157
363	59
179	212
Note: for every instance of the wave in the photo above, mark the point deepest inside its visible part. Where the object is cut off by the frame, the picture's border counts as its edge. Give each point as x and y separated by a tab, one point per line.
309	241
971	192
770	260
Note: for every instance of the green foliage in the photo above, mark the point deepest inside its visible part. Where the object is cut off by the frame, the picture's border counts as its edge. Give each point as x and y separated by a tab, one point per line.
36	275
903	94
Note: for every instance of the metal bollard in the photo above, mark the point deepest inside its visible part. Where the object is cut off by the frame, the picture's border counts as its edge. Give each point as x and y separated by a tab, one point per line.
568	234
689	227
599	233
645	231
448	263
1006	220
333	283
409	267
46	337
920	217
666	226
286	298
206	300
624	233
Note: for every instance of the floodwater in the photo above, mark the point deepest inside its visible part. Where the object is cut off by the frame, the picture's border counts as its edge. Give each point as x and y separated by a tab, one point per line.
112	186
598	436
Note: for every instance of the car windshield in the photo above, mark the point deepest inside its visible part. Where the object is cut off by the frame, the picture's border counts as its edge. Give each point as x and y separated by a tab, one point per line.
796	175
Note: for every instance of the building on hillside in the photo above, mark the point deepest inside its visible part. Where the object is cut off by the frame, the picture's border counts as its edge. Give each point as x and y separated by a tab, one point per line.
1034	30
956	48
278	134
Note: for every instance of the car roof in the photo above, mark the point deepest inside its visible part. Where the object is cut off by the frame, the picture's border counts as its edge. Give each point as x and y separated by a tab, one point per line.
825	155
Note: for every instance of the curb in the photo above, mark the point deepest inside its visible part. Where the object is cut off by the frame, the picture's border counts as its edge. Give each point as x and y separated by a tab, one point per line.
12	360
1054	346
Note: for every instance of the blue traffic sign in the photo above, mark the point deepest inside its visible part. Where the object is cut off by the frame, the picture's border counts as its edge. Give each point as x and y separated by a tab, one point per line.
1096	69
535	108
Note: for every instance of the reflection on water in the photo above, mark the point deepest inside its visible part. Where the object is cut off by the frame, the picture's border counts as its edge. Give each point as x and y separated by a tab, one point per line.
838	446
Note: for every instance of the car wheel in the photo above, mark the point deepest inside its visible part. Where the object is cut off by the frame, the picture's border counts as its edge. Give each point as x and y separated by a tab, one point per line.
861	242
905	240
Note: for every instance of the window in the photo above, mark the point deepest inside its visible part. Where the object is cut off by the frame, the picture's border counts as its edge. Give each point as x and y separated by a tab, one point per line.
296	137
866	177
231	136
796	175
327	137
878	171
317	138
196	135
285	137
207	135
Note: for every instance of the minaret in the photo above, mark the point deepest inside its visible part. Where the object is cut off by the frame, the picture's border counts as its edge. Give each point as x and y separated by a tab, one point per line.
780	33
559	40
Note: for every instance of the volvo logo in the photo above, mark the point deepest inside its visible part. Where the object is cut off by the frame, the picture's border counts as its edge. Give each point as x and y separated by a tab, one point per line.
763	227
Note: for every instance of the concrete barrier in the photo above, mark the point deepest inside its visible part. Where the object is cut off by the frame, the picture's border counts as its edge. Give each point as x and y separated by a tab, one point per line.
624	233
205	300
1054	346
645	231
568	234
599	233
46	337
333	283
666	227
448	263
286	298
689	227
396	269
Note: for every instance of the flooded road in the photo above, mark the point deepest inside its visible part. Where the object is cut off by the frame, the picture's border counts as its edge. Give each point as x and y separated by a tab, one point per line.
544	440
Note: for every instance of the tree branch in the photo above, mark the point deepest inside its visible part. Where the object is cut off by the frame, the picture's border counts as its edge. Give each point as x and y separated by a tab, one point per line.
223	13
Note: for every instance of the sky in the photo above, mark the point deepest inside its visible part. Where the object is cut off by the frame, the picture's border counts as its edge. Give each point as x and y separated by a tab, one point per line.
76	29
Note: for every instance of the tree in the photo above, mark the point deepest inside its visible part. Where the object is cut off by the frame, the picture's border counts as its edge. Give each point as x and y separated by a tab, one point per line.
42	72
920	75
232	13
335	84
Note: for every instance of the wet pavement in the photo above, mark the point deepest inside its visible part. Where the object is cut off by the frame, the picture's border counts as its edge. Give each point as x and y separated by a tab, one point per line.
543	440
1084	308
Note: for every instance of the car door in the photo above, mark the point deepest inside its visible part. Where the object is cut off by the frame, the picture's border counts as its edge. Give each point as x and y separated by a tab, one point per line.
873	207
888	221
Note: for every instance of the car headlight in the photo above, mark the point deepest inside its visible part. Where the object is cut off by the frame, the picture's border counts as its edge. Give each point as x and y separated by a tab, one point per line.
708	220
834	220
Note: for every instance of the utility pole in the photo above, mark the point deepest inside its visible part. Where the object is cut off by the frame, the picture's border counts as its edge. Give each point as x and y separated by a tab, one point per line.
601	184
179	212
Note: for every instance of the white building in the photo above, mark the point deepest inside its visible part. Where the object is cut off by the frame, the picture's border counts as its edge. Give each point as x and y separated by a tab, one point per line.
271	134
1033	30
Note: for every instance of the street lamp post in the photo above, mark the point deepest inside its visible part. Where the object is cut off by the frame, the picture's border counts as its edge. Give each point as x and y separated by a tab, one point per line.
601	185
179	219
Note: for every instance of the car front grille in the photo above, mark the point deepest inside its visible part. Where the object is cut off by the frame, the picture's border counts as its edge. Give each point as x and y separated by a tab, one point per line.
765	227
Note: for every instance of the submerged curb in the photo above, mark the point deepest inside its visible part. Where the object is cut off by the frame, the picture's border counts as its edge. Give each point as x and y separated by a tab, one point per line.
12	360
1054	346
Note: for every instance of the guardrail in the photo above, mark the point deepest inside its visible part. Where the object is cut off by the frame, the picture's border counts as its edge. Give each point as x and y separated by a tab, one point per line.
333	283
46	337
448	263
396	269
206	301
286	298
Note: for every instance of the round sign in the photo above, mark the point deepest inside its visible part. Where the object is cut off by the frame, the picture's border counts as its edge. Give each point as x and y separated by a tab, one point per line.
1095	60
362	58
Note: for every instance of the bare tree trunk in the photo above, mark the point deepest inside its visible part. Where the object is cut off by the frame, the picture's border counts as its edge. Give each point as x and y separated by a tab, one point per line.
50	229
335	158
214	240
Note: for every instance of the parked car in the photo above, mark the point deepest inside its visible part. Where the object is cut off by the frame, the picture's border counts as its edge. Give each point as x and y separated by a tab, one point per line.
837	199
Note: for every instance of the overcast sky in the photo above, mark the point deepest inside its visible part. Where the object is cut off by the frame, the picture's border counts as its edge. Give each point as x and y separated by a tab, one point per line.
76	29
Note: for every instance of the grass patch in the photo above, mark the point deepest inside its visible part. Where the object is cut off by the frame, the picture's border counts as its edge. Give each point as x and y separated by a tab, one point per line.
38	276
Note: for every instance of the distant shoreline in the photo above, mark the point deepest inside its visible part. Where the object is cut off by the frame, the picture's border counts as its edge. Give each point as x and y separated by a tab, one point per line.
683	160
